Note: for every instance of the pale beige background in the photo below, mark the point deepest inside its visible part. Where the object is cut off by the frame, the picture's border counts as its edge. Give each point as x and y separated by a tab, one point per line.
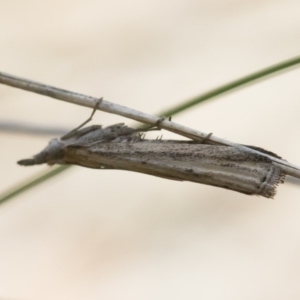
114	235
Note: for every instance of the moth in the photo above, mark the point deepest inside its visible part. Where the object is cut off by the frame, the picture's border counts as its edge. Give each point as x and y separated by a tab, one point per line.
124	148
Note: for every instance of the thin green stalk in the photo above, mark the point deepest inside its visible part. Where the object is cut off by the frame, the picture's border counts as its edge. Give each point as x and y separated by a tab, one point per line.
233	85
32	182
249	79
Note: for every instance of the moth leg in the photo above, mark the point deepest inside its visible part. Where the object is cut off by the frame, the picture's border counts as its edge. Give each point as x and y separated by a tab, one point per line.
156	125
86	130
75	130
206	138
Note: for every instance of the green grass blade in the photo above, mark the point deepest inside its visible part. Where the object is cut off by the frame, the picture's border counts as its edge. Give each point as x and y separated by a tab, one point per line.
233	85
32	182
249	79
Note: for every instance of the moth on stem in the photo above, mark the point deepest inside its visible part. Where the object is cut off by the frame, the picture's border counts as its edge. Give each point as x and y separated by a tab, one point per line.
80	99
124	148
57	150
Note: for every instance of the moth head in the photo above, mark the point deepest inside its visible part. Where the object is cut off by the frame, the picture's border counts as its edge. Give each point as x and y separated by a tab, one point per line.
51	154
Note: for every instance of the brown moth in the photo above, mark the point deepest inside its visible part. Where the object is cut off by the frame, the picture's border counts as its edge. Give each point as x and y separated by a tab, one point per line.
123	148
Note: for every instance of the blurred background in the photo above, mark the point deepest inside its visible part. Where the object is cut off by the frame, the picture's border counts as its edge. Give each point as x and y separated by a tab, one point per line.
91	234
